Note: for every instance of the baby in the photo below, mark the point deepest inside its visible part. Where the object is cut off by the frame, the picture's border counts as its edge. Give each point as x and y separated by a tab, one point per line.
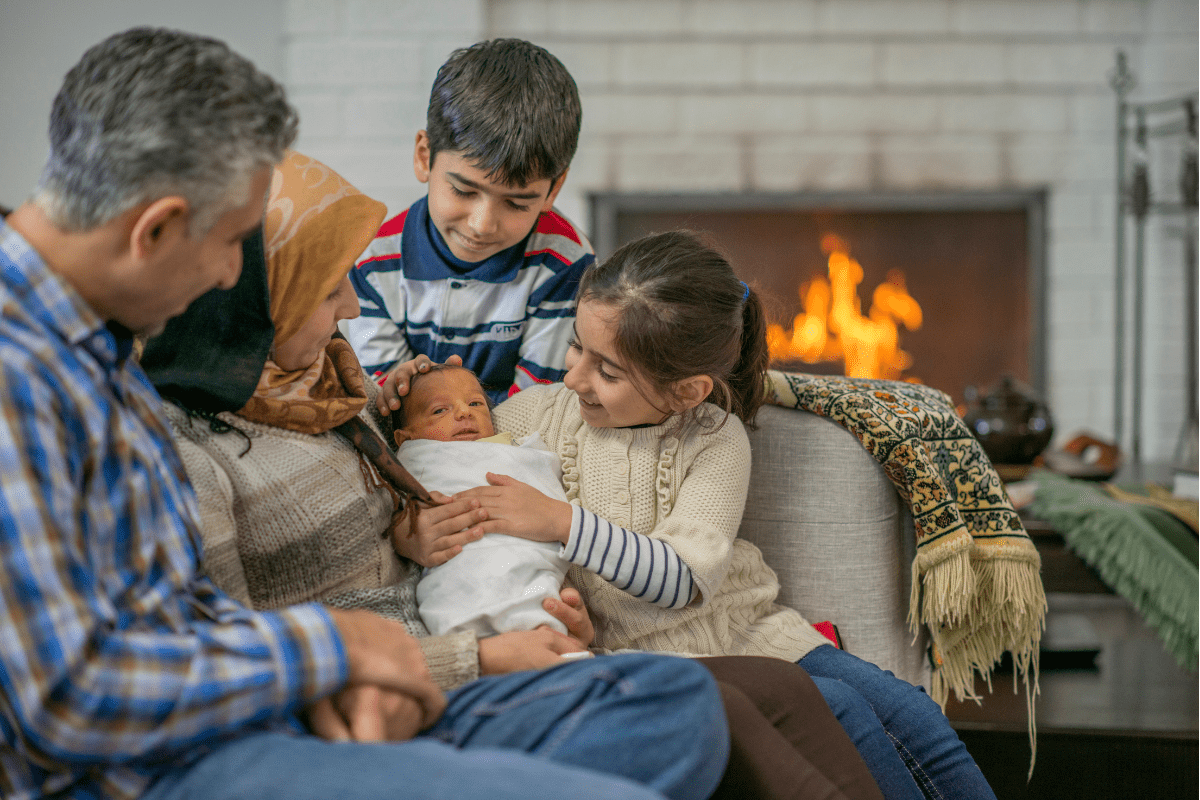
448	443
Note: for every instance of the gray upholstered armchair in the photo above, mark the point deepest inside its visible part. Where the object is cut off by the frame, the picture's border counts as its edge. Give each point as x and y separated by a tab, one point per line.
832	526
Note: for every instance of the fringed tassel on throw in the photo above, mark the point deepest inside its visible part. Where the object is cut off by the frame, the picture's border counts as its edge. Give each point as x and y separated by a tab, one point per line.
1007	613
942	587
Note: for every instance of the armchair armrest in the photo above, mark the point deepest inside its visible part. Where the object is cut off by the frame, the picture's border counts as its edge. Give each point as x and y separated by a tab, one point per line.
831	525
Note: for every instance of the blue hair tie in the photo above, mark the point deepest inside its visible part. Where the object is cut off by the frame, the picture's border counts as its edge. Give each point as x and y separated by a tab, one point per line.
745	291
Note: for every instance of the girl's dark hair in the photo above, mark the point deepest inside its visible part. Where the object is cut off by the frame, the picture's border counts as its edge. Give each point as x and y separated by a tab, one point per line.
681	311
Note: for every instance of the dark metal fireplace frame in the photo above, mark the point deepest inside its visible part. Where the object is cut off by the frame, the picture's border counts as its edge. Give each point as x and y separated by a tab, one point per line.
607	207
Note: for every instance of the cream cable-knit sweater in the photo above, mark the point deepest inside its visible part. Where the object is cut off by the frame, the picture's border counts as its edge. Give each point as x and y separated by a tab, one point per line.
293	521
689	494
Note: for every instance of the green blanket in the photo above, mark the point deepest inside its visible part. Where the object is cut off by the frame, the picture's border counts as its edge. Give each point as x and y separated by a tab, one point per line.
1145	554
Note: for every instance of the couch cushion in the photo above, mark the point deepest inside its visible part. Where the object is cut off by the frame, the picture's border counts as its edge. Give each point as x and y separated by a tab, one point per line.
831	525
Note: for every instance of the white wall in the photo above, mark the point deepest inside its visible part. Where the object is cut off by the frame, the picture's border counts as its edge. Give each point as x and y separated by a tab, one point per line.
360	72
41	39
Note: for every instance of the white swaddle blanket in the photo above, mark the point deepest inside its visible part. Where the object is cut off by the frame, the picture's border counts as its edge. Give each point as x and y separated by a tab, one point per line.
496	584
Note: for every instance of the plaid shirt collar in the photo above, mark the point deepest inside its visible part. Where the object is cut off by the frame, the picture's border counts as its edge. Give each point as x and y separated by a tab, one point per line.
51	300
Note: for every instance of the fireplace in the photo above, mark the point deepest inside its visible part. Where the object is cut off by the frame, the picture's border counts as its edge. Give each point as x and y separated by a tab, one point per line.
972	261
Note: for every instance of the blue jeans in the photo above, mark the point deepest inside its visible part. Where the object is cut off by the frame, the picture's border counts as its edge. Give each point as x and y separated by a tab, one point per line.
903	736
621	726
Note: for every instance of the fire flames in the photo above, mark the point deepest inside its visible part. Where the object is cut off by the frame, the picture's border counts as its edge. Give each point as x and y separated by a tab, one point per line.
833	328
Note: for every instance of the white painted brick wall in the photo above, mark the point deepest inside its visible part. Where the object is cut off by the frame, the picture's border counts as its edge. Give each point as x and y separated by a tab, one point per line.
807	95
1017	17
1114	16
878	112
728	113
941	161
815	64
360	71
653	112
885	17
408	18
751	17
936	64
698	65
614	18
686	164
817	162
1005	112
1079	65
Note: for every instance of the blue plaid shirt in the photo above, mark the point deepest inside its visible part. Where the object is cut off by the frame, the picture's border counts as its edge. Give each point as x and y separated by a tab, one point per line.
117	661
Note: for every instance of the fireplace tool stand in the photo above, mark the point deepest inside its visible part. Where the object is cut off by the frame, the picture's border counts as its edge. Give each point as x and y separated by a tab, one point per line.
1172	122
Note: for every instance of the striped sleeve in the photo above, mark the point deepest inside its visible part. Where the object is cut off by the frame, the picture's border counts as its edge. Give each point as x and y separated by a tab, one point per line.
645	568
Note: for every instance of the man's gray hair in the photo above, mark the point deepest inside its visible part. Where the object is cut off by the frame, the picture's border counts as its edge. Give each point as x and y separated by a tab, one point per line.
150	113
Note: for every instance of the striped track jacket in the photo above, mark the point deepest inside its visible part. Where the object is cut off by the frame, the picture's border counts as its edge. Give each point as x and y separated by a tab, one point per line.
509	317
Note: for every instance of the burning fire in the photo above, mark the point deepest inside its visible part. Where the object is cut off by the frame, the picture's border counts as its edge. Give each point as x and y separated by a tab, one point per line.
832	327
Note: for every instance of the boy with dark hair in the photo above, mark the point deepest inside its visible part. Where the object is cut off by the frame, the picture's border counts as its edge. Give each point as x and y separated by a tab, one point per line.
482	267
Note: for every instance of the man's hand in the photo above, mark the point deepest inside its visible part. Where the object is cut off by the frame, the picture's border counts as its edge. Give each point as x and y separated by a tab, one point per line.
520	510
366	714
441	532
520	650
400	378
570	611
383	655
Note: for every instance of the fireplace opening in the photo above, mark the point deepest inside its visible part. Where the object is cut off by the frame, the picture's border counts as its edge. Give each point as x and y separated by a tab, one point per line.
957	277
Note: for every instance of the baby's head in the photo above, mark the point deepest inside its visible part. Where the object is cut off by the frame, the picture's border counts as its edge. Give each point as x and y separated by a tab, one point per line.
445	403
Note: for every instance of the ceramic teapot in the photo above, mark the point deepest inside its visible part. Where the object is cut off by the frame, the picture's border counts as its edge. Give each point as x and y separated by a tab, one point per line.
1011	422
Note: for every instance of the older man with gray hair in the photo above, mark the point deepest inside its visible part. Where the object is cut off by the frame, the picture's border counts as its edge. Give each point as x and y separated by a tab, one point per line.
123	672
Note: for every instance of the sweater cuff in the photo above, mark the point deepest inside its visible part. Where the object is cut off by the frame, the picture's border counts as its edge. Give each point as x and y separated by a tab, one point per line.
310	651
572	544
452	660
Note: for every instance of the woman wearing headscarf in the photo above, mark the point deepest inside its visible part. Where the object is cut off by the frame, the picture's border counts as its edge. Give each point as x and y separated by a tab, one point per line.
301	501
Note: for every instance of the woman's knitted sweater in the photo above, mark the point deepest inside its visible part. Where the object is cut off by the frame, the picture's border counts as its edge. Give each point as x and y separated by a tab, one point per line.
689	494
301	518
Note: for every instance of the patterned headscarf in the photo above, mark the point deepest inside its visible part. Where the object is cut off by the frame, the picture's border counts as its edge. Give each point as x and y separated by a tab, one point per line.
316	225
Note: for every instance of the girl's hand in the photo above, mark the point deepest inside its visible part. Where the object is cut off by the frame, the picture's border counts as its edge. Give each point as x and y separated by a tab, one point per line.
441	530
400	378
571	611
520	510
521	650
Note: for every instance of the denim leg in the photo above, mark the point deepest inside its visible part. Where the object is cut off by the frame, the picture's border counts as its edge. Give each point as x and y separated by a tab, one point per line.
655	719
870	739
939	761
282	766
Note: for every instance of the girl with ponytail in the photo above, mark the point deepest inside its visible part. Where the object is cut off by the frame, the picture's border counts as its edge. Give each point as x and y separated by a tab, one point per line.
665	369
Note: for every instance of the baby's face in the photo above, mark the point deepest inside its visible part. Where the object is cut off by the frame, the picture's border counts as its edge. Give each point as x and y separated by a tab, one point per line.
449	406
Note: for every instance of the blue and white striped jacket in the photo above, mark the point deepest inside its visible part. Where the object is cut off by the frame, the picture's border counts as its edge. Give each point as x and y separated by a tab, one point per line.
509	317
